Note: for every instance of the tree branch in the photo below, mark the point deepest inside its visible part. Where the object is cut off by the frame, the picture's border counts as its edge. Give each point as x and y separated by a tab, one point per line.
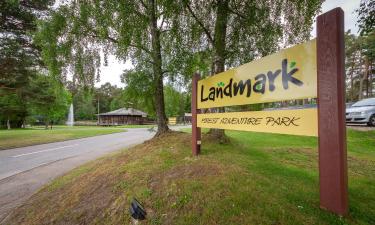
200	24
165	71
144	4
162	23
236	13
112	39
93	34
115	41
140	14
140	47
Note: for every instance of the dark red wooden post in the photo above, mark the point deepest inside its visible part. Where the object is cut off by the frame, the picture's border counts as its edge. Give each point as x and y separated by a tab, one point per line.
196	131
333	176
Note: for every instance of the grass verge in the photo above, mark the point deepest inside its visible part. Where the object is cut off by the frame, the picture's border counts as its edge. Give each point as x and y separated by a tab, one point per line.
15	138
256	179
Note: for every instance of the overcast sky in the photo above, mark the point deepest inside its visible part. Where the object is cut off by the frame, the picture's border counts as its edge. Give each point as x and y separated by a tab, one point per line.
112	72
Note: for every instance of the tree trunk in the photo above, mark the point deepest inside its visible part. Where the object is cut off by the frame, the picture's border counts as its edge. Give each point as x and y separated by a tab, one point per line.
360	92
352	83
23	121
157	71
8	123
367	76
371	80
46	124
219	50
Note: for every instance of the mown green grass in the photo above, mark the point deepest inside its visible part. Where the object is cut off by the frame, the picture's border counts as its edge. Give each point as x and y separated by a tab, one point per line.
136	126
31	136
257	178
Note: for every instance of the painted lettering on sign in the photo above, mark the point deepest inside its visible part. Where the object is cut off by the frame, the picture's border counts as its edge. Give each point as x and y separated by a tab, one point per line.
269	121
288	74
298	122
244	87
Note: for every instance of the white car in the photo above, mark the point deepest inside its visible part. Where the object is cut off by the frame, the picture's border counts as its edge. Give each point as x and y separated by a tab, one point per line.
362	112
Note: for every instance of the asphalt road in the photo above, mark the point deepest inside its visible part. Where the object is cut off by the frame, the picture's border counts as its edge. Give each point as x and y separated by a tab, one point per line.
24	170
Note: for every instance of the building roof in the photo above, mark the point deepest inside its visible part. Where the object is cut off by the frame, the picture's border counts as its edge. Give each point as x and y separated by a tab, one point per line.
125	112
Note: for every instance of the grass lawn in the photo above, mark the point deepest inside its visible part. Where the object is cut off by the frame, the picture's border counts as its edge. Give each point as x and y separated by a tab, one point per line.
256	179
38	135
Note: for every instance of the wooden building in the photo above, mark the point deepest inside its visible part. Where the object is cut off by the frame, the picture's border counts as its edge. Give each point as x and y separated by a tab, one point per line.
122	116
186	119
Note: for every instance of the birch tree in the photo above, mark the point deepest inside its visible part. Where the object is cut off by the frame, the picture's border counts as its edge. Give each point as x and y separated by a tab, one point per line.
78	32
235	32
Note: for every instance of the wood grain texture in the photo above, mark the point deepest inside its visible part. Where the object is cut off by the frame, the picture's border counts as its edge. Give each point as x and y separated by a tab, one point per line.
196	131
331	112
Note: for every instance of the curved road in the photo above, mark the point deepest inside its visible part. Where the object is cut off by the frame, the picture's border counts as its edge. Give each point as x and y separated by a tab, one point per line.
24	170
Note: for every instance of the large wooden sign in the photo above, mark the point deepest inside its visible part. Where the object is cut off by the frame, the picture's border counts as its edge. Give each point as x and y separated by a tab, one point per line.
288	74
297	122
309	70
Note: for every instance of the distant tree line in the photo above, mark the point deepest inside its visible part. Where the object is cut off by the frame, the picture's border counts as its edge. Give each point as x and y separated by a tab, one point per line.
51	56
360	55
360	66
167	40
27	92
110	97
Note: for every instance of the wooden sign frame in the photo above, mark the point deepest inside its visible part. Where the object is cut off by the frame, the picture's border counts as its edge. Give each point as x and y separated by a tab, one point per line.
333	178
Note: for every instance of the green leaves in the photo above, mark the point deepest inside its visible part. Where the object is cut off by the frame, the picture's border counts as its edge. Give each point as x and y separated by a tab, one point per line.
292	64
220	84
258	87
365	15
19	57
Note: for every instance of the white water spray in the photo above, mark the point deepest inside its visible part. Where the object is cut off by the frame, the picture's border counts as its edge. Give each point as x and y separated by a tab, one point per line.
70	121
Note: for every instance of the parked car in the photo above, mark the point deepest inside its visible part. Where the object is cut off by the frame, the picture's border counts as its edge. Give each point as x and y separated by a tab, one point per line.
362	112
349	104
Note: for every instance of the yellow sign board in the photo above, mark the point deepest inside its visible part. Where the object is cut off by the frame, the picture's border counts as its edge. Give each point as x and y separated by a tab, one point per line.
172	120
288	74
297	122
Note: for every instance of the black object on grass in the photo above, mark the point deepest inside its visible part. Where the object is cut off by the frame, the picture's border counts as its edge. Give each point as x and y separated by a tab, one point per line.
137	211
